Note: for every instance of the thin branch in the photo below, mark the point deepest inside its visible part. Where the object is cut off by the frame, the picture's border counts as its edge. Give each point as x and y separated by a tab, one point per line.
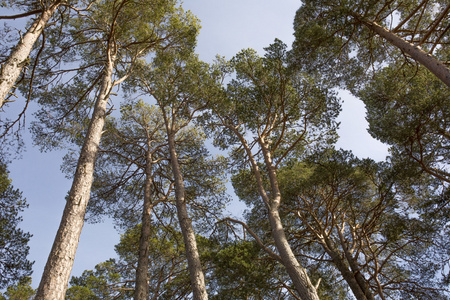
30	13
258	241
409	16
435	24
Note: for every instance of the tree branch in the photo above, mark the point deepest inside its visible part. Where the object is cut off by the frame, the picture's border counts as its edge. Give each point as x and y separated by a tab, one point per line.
258	241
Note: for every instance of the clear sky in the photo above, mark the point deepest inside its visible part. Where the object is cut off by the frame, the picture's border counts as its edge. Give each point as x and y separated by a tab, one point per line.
227	27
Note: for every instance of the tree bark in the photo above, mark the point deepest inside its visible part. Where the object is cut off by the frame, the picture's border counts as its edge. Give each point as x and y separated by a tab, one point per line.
141	291
431	63
296	272
60	261
360	289
194	264
18	59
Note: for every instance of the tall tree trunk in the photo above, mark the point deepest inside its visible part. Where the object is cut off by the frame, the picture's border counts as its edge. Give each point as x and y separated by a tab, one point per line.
10	70
60	261
431	63
362	282
141	291
194	264
296	272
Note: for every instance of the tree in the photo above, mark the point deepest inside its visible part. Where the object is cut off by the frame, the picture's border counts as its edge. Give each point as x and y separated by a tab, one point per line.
408	110
240	269
134	168
124	31
350	208
139	142
19	56
268	114
14	249
168	275
106	281
235	269
336	36
181	85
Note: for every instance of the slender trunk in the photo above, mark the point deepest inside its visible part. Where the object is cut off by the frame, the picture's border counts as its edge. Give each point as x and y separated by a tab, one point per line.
354	266
60	261
141	291
10	70
296	272
431	63
194	264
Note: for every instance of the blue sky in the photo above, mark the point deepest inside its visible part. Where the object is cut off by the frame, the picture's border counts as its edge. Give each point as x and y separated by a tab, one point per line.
227	27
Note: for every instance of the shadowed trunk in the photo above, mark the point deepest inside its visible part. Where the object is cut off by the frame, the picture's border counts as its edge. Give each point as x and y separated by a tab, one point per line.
296	272
354	279
141	291
194	264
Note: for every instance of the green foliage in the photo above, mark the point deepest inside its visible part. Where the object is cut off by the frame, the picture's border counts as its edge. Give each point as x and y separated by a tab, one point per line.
332	39
13	241
130	30
289	109
343	203
21	291
168	275
102	283
241	272
408	109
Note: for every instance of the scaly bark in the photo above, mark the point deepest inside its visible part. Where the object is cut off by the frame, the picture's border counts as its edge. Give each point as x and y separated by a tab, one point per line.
193	258
18	59
60	261
431	63
296	272
141	291
359	287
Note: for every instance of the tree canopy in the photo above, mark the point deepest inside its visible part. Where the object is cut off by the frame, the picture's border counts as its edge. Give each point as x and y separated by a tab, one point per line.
320	223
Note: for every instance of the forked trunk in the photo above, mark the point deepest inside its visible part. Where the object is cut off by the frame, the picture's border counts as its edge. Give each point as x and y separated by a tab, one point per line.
60	261
431	63
354	279
10	70
193	258
141	291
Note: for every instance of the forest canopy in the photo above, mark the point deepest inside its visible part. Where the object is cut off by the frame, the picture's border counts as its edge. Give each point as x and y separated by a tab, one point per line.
152	136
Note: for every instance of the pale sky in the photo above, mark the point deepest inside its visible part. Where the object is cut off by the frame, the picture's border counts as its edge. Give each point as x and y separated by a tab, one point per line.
227	27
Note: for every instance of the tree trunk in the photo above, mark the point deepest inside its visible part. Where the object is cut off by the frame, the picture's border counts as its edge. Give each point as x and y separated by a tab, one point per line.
360	289
362	282
194	264
296	272
141	291
431	63
10	70
60	261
